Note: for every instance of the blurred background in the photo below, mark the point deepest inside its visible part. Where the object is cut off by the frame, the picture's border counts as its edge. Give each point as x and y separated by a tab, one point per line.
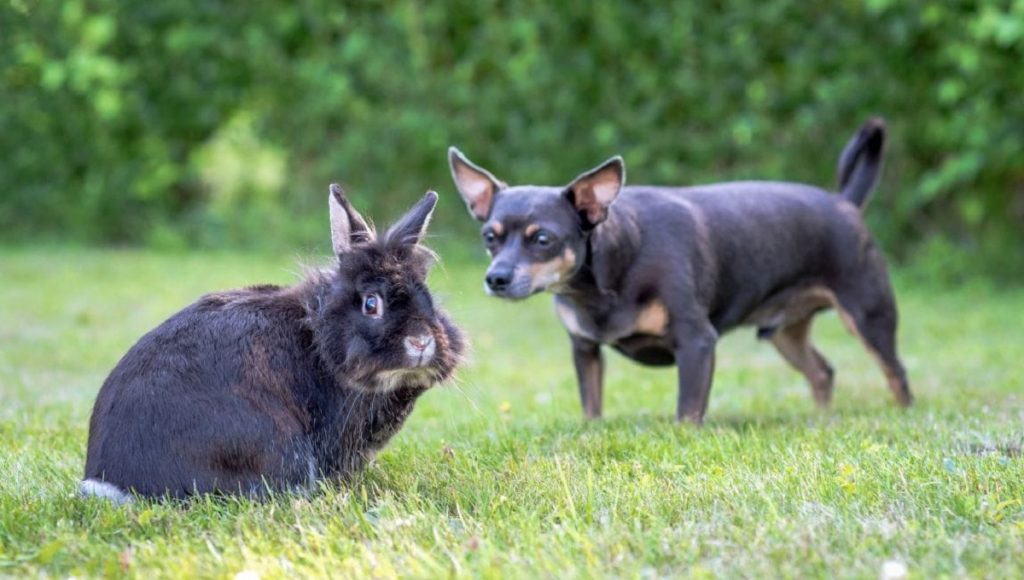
194	124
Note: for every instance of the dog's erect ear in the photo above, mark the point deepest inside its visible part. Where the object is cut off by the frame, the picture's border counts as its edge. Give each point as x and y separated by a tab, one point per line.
347	226
477	186
592	192
411	228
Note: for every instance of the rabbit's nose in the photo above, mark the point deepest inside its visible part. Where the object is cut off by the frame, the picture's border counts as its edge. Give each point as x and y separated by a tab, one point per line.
420	347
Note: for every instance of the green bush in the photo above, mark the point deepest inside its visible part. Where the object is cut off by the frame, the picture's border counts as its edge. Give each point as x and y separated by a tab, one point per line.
114	115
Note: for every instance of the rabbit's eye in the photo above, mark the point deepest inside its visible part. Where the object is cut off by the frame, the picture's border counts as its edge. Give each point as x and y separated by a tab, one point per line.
490	237
372	306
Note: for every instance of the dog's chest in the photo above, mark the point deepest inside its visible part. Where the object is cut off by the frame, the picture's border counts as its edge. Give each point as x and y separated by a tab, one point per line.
612	322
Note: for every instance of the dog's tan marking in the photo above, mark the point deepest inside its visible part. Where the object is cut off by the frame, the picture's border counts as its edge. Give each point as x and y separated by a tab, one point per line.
810	301
498	229
892	377
652	319
570	320
530	230
794	344
544	275
791	310
792	307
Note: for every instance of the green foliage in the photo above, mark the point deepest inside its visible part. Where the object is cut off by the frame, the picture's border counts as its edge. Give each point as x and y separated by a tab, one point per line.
498	476
109	109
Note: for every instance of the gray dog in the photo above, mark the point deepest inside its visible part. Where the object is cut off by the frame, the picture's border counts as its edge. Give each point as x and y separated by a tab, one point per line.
662	272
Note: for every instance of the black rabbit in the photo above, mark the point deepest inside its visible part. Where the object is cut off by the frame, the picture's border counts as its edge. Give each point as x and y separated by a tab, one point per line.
270	387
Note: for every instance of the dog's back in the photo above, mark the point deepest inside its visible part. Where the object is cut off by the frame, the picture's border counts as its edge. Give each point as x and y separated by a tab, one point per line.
745	240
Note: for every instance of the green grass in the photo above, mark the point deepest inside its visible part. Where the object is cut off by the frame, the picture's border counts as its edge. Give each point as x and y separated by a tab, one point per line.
501	477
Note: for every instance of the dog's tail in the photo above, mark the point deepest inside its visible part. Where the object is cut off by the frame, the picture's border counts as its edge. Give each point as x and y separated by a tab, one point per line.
861	162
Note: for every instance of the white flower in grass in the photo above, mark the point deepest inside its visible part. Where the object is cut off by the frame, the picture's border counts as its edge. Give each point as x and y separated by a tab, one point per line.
893	570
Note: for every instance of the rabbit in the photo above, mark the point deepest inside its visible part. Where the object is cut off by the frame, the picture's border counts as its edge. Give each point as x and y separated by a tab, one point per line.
274	388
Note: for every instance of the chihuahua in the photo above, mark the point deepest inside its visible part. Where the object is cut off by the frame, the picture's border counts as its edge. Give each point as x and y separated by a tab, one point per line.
660	273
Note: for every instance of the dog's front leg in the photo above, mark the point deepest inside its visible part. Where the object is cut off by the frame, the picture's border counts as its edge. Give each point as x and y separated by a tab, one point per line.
695	356
589	361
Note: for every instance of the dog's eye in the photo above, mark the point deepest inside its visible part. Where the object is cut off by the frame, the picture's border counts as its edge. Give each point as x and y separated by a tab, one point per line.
372	306
542	238
490	237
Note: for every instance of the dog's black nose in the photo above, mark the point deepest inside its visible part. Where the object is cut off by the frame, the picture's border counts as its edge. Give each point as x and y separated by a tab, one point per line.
498	281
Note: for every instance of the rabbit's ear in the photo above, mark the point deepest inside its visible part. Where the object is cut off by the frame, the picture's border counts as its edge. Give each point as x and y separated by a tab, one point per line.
347	225
413	226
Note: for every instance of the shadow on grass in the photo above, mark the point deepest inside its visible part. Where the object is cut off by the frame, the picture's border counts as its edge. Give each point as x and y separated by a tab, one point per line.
437	478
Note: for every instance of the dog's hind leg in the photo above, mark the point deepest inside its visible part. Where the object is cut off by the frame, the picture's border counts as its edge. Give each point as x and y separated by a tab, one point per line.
870	313
794	344
589	362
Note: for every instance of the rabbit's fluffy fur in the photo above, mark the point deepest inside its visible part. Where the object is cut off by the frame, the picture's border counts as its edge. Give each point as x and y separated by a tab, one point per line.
272	387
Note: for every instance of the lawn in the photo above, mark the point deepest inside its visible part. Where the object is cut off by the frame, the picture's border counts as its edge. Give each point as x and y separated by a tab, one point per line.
499	476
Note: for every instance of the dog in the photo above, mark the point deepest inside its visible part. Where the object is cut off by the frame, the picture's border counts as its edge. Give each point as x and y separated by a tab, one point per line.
660	273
